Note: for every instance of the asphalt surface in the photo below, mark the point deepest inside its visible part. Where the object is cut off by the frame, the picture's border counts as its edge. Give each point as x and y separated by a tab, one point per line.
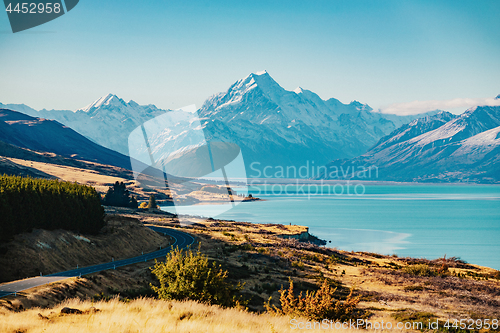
182	240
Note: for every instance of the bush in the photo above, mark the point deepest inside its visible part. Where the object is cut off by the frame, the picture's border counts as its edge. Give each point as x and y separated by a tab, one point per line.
419	270
315	305
299	264
119	196
187	275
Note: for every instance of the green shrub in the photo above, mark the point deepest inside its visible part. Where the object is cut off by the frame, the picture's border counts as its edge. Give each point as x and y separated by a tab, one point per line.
299	264
246	247
228	234
262	250
419	270
187	275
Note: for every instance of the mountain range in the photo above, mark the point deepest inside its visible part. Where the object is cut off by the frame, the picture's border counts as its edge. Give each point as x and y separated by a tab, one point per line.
272	126
108	121
438	148
276	127
44	135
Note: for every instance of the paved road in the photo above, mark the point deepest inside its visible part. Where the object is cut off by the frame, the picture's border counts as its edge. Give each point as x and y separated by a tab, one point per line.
182	240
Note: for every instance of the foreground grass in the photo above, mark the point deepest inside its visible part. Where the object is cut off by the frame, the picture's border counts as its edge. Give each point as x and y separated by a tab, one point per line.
142	315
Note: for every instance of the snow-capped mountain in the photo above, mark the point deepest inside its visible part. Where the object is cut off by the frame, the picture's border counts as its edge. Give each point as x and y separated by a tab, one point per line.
441	147
44	135
273	126
414	129
276	127
108	121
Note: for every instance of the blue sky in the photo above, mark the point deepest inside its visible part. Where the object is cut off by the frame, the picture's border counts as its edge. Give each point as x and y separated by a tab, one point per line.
176	53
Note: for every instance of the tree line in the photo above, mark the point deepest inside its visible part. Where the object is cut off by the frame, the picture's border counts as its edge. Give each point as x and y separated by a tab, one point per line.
27	203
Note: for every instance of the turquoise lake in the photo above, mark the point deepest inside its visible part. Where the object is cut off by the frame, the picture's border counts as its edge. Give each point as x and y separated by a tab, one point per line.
427	221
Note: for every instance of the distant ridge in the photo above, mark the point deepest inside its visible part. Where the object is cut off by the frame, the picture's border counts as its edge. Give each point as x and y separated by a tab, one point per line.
439	148
50	136
107	121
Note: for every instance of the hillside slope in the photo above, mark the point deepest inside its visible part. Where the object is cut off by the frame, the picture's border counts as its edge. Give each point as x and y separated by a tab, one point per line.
47	252
392	289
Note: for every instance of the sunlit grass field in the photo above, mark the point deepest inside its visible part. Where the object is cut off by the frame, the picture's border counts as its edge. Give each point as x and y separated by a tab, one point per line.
142	315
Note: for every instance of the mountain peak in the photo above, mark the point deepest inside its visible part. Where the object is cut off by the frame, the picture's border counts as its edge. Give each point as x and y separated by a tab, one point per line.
265	82
498	96
264	72
109	99
441	116
298	90
261	78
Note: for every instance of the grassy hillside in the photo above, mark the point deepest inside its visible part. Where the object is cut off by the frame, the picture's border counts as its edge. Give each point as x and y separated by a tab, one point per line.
47	252
391	289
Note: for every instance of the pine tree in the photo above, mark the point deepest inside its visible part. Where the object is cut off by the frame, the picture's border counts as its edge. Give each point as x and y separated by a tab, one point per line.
152	202
133	203
27	203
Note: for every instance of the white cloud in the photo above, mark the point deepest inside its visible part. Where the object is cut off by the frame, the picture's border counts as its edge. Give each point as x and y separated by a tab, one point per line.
416	107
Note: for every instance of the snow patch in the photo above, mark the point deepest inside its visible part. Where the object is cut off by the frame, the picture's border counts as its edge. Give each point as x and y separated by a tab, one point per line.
82	238
62	239
43	245
446	131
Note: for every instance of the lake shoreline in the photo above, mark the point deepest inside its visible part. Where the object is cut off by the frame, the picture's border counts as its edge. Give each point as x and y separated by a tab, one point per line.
459	220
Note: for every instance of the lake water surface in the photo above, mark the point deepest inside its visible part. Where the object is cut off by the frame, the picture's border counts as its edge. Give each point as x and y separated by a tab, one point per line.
408	220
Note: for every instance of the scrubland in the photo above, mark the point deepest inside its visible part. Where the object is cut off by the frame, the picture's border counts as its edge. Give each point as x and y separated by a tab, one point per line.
389	288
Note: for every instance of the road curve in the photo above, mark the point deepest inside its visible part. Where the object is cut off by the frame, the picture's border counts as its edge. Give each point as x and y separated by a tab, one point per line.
182	240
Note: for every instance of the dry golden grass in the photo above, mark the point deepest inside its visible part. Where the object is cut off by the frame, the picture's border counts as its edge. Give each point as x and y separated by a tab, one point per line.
69	173
151	315
142	315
